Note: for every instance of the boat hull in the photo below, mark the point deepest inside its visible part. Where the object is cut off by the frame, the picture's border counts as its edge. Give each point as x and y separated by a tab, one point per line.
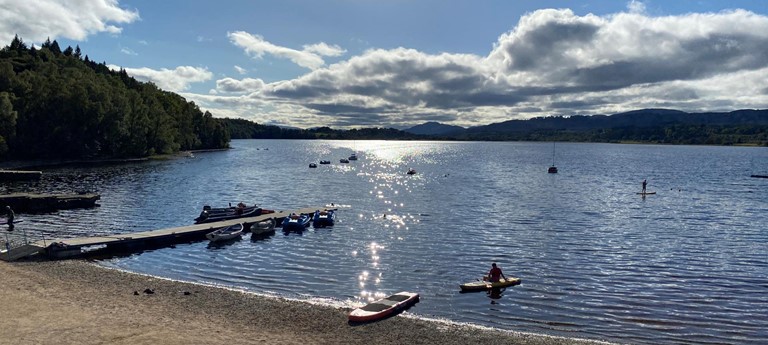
219	214
485	285
296	222
384	307
227	233
322	219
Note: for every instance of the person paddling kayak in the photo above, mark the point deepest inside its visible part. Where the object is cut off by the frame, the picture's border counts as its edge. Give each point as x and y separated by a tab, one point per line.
495	274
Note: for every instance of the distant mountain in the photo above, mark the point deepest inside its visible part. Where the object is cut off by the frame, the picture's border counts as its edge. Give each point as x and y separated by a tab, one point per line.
740	127
637	118
434	128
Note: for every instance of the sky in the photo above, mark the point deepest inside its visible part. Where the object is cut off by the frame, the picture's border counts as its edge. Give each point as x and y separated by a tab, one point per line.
396	63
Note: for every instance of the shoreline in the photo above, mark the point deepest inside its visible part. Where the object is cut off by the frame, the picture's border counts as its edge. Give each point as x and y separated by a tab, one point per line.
78	302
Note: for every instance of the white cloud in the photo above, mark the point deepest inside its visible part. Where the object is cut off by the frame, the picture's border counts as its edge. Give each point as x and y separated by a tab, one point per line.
240	70
552	62
310	57
177	79
324	49
37	20
234	85
635	6
128	51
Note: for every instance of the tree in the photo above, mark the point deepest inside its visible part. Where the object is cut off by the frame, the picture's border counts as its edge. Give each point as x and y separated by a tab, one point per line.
7	122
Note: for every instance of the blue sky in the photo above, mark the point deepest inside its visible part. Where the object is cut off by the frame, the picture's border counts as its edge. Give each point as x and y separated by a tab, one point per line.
363	63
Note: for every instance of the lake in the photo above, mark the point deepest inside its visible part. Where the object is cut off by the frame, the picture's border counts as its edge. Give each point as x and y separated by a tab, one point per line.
686	265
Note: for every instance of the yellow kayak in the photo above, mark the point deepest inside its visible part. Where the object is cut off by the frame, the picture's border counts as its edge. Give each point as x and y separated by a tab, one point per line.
484	285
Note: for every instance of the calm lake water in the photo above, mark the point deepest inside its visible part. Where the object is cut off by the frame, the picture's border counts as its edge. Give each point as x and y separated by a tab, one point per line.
598	261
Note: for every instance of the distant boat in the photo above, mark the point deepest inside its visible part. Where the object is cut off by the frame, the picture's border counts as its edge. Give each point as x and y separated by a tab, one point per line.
325	162
343	160
553	168
312	165
353	157
411	171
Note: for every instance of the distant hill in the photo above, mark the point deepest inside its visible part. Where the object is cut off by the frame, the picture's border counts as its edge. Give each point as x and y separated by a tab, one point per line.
740	127
434	128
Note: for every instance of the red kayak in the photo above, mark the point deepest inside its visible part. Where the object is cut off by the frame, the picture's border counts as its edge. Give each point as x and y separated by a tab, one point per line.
384	307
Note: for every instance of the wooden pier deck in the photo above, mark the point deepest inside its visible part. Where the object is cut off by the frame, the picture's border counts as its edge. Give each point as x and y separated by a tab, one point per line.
27	202
137	241
19	175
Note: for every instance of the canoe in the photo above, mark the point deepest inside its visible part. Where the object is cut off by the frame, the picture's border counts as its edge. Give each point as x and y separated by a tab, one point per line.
484	285
384	307
226	233
323	218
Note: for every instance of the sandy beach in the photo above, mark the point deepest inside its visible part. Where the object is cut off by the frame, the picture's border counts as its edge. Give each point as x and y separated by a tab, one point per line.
77	302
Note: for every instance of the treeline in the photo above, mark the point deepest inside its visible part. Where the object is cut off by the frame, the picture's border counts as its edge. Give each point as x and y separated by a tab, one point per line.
663	126
58	103
244	129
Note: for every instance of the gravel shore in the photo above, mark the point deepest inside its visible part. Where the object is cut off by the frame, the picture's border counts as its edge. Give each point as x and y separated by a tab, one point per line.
77	302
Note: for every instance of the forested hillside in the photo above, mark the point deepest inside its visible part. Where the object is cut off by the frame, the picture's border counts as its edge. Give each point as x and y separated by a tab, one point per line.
59	104
244	129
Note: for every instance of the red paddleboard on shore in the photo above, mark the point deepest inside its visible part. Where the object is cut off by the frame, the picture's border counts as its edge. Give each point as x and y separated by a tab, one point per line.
384	307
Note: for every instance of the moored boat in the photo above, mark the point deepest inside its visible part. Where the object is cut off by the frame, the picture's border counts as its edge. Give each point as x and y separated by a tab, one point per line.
325	161
263	227
323	218
353	157
312	165
226	233
209	214
296	222
343	160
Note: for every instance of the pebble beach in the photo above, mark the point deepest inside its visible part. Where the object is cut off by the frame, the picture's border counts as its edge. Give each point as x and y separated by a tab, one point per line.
79	302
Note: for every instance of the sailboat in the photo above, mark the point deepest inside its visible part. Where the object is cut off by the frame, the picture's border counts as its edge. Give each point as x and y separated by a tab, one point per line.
553	168
353	157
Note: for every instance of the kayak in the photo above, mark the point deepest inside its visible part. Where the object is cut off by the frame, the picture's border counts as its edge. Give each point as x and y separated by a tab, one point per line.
484	285
384	307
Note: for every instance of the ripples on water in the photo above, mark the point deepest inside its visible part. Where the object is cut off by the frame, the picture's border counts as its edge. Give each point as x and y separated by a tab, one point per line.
687	265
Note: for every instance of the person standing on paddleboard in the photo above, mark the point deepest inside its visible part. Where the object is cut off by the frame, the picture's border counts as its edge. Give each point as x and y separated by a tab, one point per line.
495	274
645	183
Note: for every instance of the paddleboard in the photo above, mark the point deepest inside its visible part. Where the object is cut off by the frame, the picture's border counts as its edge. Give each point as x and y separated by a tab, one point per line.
646	193
484	285
384	307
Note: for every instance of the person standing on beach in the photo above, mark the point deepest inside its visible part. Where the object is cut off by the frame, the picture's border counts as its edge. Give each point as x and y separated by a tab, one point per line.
11	216
495	274
645	183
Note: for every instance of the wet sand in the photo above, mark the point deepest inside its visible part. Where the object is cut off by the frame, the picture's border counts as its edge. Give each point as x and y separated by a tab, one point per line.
76	302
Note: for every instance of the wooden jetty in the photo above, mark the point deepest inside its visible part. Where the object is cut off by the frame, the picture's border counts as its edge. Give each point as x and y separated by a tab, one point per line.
135	241
19	175
26	202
